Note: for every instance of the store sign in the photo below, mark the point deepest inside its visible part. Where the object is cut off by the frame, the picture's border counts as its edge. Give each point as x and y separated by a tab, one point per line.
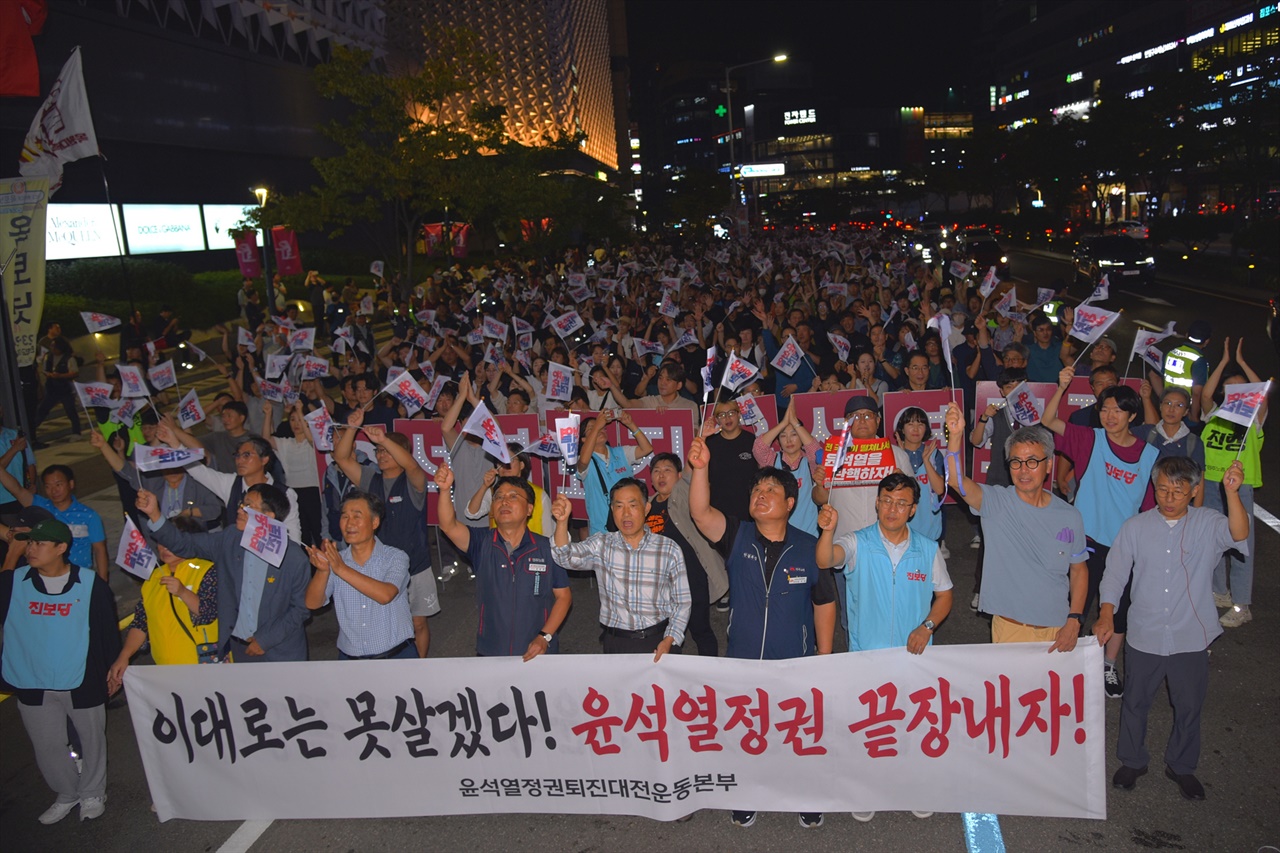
80	231
763	170
219	219
154	228
799	117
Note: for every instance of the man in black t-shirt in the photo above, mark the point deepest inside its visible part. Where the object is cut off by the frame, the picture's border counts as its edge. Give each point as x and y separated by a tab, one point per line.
732	463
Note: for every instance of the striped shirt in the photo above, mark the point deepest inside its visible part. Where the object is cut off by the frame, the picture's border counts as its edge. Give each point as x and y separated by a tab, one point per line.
366	627
639	587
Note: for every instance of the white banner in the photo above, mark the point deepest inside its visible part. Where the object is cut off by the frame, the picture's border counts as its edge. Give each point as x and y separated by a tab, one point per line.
957	729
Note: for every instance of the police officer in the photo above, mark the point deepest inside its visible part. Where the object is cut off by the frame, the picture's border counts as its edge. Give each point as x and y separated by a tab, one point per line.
1186	367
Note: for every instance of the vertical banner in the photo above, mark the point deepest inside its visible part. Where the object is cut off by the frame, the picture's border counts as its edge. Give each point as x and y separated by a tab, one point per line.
247	254
1001	729
288	260
23	204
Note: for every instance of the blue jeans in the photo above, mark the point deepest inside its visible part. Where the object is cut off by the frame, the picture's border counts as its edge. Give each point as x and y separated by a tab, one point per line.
1234	569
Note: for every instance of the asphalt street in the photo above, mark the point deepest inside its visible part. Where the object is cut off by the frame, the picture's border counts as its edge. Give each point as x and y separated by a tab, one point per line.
1240	725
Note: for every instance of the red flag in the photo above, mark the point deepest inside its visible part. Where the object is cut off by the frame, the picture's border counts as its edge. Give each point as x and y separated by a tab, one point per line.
288	261
19	69
247	254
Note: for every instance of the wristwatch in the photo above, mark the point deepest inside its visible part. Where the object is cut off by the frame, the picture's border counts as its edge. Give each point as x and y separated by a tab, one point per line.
1079	617
929	625
547	637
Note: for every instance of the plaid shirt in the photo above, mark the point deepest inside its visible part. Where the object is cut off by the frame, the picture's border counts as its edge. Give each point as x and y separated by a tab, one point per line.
639	587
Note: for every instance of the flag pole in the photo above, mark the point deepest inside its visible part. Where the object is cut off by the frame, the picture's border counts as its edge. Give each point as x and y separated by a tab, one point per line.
115	230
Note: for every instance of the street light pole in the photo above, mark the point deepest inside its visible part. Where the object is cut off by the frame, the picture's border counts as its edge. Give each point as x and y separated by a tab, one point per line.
728	93
261	194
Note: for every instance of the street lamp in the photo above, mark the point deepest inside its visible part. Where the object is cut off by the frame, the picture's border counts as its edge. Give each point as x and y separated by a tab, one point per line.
261	194
728	92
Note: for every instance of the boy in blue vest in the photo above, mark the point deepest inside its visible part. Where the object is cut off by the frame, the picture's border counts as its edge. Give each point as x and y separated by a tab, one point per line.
897	588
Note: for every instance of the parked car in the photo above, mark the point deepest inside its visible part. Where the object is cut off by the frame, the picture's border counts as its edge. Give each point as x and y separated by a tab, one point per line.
1129	228
981	250
1119	258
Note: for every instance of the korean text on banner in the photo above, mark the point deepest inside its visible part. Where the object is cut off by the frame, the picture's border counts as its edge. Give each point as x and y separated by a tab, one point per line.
865	731
265	537
133	555
865	463
160	457
23	203
62	131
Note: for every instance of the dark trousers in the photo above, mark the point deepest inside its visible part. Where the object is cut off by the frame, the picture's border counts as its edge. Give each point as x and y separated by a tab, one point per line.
618	642
1188	677
1097	563
699	627
52	398
309	514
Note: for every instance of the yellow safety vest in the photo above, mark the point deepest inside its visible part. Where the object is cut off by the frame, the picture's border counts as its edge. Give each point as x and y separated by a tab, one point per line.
535	520
1177	365
173	637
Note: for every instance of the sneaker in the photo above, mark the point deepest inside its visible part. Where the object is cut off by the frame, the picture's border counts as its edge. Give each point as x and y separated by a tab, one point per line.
1236	616
56	812
976	542
1112	682
743	819
921	815
722	606
91	807
863	817
973	605
1222	600
811	820
943	552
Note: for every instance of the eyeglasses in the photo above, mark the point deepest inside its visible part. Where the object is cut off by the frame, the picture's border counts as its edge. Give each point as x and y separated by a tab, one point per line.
900	506
248	454
1176	494
863	416
510	497
1032	462
1173	404
724	416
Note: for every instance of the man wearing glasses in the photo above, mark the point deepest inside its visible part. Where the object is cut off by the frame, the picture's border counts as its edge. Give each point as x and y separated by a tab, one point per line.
733	463
1035	560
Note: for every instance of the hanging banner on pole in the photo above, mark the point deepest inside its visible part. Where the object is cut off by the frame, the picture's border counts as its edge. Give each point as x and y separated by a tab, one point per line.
288	260
867	731
247	254
23	205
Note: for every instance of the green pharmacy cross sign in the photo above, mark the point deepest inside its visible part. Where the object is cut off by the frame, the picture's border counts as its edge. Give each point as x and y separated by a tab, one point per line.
720	111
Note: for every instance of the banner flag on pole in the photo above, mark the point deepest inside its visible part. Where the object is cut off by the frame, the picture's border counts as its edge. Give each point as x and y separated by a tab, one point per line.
62	131
482	425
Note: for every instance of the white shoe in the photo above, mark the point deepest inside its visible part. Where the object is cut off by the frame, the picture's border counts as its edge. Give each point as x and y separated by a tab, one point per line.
1222	600
863	817
1236	616
921	815
973	605
943	552
91	807
56	812
976	541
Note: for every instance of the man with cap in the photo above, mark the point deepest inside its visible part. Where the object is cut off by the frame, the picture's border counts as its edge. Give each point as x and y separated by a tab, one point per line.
60	638
856	505
1186	366
16	551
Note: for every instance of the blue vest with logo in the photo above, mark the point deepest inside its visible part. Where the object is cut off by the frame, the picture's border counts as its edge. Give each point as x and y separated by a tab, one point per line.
1111	490
886	604
805	515
404	526
514	593
46	637
773	622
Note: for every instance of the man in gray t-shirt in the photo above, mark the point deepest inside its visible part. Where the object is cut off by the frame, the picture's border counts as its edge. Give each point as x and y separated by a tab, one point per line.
1035	577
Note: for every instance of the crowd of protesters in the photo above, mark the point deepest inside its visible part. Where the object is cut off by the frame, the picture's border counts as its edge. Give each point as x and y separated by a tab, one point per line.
743	511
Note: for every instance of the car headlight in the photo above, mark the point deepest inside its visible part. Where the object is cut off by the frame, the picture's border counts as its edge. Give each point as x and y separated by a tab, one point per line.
942	244
919	246
1102	263
1149	260
1003	259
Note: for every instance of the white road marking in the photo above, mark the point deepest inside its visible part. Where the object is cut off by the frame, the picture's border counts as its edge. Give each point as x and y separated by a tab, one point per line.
244	837
1266	518
1154	300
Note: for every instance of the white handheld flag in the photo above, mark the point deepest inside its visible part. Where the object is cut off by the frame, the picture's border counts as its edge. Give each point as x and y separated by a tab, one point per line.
707	386
1102	291
190	412
132	554
244	338
437	386
737	372
302	339
1241	402
159	457
94	393
321	426
265	536
789	357
1144	346
1023	405
410	394
163	376
131	382
200	354
314	368
567	429
482	425
276	366
62	131
959	269
559	382
841	343
568	323
989	282
96	322
127	409
687	339
1092	323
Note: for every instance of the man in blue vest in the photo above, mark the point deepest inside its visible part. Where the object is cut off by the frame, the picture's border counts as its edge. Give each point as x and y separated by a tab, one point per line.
399	481
764	557
60	637
897	589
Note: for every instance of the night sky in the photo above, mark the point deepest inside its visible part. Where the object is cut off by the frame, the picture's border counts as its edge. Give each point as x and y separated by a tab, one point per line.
884	53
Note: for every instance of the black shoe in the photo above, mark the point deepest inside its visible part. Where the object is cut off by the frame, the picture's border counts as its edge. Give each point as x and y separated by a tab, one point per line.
811	820
1112	682
744	819
1188	784
722	606
1127	777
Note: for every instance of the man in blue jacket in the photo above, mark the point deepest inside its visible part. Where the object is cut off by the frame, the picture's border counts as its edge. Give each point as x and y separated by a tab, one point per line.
766	558
897	590
263	607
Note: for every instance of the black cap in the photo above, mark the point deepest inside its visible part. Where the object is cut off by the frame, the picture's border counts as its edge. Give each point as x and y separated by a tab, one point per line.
30	516
860	402
1199	332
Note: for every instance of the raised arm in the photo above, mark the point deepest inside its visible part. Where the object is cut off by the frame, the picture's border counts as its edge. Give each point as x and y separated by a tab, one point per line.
326	560
1050	419
344	455
970	492
1253	377
588	442
460	399
829	555
457	532
412	470
19	491
643	445
709	520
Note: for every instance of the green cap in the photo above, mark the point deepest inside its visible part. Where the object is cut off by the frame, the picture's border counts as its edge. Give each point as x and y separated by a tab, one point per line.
49	530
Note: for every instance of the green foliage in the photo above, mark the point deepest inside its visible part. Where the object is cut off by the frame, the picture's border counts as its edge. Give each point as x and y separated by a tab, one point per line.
1187	229
1262	237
